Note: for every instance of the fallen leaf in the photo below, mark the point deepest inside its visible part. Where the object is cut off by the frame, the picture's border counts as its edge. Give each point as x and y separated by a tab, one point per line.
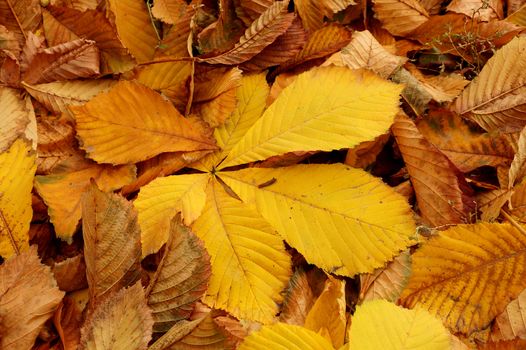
286	336
400	17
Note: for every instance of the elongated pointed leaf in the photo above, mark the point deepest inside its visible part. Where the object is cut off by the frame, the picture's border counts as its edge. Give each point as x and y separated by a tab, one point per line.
112	247
161	199
496	99
341	219
17	170
285	336
468	274
379	324
131	123
316	113
249	264
181	278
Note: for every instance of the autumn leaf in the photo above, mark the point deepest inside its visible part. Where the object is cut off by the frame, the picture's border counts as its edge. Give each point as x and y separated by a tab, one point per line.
17	169
400	17
298	300
285	336
307	129
14	117
131	112
29	296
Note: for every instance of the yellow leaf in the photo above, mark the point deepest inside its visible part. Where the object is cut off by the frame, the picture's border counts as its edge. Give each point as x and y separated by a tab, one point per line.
320	115
17	169
185	269
28	298
131	123
207	335
161	199
122	321
65	214
379	324
328	312
56	96
250	266
14	117
112	248
285	336
251	96
135	28
511	323
518	17
496	98
468	274
341	219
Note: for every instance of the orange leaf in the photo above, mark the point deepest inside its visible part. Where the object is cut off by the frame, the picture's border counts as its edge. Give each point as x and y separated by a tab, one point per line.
400	17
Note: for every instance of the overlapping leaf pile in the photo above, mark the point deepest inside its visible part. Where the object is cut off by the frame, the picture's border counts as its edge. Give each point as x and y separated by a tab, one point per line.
261	174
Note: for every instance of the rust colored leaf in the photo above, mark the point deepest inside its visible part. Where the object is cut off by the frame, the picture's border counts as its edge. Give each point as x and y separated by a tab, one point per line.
169	11
263	31
20	16
313	11
181	278
123	321
175	40
400	17
298	300
364	154
112	247
74	59
56	143
71	274
67	320
478	9
28	298
442	193
249	10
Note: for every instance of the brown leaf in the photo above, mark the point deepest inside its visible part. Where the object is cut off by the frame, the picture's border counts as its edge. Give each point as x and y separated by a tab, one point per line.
313	11
168	11
298	300
174	334
232	328
74	59
71	273
9	68
249	10
28	298
56	33
181	278
442	193
123	321
81	5
482	10
67	321
511	323
263	31
175	40
400	17
364	154
490	203
14	117
112	247
94	26
56	143
20	17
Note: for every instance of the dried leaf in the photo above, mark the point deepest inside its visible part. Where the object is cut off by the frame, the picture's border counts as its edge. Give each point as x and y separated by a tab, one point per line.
181	278
138	124
285	336
313	11
67	320
510	324
298	300
400	17
20	17
112	247
17	169
207	335
467	274
169	11
70	274
478	9
14	117
123	321
442	193
29	297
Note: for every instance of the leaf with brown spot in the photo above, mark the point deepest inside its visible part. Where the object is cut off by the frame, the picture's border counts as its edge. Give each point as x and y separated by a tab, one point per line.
298	300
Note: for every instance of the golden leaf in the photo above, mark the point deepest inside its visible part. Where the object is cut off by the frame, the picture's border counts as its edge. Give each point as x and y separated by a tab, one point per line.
400	17
467	274
511	322
478	9
131	123
169	11
285	336
17	169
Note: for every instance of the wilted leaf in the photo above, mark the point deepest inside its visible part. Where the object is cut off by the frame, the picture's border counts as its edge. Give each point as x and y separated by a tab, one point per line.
442	193
181	278
468	274
324	210
58	95
29	296
250	266
131	123
313	11
20	17
123	321
134	28
511	322
285	336
321	115
298	300
112	248
379	324
67	320
14	117
327	315
496	98
161	199
388	282
71	60
481	10
400	17
263	31
17	169
70	273
65	215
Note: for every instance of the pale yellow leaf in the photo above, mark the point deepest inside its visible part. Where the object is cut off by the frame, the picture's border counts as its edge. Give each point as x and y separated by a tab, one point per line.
17	170
320	115
341	219
250	266
161	199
